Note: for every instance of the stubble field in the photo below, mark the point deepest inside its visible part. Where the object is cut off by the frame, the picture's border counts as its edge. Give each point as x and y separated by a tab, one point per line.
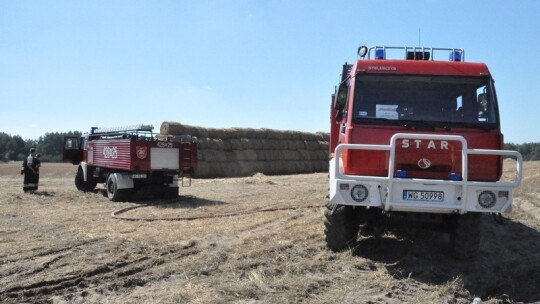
64	246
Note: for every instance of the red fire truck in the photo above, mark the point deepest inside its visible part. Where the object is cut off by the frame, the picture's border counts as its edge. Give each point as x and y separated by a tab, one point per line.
128	159
411	134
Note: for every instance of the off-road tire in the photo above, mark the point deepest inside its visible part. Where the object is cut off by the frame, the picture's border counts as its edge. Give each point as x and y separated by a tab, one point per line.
83	185
465	237
340	228
113	193
170	192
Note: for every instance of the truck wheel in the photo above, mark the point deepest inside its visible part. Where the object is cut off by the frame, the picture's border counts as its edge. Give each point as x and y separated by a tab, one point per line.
341	228
465	238
113	193
83	185
171	192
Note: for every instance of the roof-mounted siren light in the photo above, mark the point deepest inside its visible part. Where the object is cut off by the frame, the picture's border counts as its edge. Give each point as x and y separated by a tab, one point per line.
362	51
379	53
455	55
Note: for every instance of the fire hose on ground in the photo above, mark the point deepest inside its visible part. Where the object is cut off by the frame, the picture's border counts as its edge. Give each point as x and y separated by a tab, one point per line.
117	214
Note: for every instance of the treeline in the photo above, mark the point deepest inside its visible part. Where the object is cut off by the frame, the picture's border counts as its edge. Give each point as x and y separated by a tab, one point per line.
14	148
529	151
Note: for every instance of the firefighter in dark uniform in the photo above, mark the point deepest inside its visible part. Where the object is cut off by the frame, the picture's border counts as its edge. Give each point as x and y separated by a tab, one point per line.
30	172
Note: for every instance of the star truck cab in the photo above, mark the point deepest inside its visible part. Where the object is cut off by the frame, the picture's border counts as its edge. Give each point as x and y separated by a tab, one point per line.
416	135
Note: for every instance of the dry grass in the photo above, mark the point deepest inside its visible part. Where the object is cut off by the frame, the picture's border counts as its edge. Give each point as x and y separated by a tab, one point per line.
63	246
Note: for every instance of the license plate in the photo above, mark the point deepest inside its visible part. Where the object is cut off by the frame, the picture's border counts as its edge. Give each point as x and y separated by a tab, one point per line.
431	196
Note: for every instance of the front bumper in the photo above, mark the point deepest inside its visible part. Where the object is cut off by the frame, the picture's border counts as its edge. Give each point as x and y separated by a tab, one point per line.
396	194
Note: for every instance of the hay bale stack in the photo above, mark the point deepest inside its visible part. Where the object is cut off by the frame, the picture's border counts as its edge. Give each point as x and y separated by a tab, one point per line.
246	151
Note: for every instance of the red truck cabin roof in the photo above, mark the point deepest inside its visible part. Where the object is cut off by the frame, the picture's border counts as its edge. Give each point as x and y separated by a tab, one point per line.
447	68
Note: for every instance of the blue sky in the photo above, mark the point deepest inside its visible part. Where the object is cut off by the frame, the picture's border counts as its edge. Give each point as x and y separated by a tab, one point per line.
70	65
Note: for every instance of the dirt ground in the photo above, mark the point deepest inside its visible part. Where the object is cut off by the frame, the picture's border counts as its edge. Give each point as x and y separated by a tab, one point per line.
63	246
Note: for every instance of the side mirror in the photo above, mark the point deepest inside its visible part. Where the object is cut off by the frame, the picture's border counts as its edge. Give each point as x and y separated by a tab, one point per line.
341	97
339	116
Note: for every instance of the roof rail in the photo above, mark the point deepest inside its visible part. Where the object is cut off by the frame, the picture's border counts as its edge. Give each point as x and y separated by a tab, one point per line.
411	53
125	129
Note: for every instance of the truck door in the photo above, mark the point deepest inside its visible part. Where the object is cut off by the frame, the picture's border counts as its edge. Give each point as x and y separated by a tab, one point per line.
72	150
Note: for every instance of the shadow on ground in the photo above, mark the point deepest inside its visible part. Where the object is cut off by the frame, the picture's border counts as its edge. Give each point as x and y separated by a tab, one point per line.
508	265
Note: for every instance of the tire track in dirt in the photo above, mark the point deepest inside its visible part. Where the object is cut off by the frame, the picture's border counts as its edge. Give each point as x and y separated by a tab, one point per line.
120	272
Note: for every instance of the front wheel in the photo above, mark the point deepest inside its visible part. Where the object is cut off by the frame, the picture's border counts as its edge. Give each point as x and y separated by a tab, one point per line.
81	184
341	228
465	237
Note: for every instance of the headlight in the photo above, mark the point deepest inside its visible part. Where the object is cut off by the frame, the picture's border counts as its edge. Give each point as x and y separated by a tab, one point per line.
487	199
359	193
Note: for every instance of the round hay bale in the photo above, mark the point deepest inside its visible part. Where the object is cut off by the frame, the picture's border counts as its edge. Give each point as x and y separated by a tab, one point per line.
290	155
202	170
270	134
323	145
245	143
268	155
215	156
312	145
229	134
234	144
246	155
322	155
200	155
230	156
216	144
250	143
250	133
291	144
300	145
324	136
215	133
203	143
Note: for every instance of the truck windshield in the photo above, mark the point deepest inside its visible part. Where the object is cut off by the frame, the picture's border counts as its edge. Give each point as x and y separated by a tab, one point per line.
432	100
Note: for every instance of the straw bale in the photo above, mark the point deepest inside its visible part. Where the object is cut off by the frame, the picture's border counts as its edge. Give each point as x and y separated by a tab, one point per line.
214	155
324	136
234	144
250	133
323	145
312	145
270	134
289	155
291	144
307	155
217	144
250	143
322	155
245	155
269	155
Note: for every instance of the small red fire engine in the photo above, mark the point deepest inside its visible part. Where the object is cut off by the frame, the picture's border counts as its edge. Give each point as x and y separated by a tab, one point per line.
416	135
128	159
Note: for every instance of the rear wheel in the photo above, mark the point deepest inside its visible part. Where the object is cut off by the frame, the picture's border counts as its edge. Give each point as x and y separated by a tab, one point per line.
113	193
340	228
171	192
83	185
465	237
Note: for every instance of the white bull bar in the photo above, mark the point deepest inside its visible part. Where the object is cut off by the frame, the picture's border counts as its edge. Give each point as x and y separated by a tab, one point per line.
460	196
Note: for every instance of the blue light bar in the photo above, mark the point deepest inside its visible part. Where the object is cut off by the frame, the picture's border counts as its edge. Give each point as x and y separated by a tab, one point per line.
401	173
455	56
379	54
455	176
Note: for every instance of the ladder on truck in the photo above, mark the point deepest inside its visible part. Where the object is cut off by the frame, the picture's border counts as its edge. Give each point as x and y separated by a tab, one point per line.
185	146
